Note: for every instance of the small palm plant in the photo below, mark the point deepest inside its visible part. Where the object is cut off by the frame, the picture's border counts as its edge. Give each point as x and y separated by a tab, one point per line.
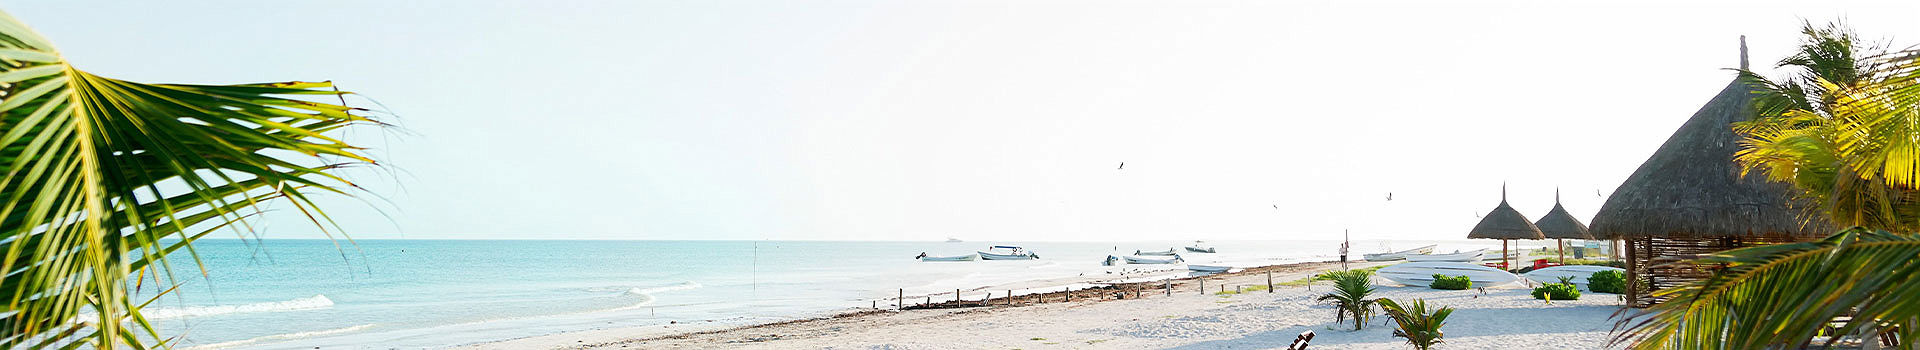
1419	324
1349	297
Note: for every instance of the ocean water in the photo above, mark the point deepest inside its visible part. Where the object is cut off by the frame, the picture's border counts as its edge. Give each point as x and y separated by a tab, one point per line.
288	294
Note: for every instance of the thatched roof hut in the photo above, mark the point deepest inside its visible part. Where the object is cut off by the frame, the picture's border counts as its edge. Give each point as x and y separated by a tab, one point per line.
1504	223
1558	224
1689	199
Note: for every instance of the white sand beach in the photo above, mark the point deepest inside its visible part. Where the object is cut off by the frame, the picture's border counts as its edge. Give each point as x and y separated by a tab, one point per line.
1503	317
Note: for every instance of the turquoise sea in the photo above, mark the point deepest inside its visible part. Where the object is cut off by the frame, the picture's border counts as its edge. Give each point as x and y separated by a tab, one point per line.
287	294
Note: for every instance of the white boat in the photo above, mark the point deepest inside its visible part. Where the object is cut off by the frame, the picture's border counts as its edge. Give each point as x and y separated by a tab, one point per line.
1399	254
1209	268
1579	273
1168	252
1420	274
1139	260
1012	253
1111	260
1197	249
953	240
1470	257
968	257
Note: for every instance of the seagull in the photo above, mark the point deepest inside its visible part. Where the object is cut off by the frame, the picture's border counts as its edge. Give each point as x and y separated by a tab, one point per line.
1596	193
1476	215
1123	166
1276	206
1389	196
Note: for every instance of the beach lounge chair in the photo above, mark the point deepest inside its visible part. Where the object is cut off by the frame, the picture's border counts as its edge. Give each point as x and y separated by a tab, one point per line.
1300	342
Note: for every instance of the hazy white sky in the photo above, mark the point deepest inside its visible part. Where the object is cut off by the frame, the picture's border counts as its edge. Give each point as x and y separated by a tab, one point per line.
983	120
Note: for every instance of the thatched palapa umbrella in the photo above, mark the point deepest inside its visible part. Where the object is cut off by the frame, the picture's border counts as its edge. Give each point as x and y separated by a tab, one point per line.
1689	199
1561	226
1504	223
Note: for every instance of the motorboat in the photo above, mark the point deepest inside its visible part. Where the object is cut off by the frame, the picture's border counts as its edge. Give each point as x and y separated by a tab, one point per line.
1470	257
1196	248
968	257
1209	268
1399	254
1143	260
1111	260
1168	252
1003	252
1421	273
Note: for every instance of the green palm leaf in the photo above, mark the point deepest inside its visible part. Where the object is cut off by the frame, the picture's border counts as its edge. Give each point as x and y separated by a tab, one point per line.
105	178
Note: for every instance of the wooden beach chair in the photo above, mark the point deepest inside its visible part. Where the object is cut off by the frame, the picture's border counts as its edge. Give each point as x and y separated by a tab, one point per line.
1300	342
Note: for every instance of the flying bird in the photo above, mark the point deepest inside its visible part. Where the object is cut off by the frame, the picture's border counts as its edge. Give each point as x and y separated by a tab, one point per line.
1476	215
1389	196
1596	193
1123	166
1276	206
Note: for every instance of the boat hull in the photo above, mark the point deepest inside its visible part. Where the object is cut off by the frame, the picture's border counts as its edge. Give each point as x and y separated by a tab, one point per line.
1579	273
1472	257
1399	255
968	257
1168	252
1199	250
1209	268
1150	261
992	256
1421	273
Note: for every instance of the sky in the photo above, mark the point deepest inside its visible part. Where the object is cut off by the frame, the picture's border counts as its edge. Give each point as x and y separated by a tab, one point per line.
979	120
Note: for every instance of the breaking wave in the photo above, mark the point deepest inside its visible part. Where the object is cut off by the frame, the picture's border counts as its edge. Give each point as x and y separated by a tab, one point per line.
308	303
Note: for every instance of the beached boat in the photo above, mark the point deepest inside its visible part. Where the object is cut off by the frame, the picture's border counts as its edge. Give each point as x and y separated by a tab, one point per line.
1399	254
1012	253
1168	252
968	257
1209	268
1421	273
1579	273
1140	260
1471	257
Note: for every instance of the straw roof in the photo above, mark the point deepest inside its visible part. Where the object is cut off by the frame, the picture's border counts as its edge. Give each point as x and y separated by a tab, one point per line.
1505	223
1691	188
1559	224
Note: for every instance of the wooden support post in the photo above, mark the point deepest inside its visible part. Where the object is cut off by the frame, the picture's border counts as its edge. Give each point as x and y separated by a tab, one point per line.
900	301
1169	287
1269	281
876	304
1203	285
1633	277
1009	297
956	297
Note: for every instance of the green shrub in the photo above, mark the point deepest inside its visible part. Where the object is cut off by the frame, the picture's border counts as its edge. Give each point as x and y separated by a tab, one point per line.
1419	324
1450	282
1556	291
1609	281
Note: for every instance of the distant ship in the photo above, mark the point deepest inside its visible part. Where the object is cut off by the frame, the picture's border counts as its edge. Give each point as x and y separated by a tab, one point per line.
953	240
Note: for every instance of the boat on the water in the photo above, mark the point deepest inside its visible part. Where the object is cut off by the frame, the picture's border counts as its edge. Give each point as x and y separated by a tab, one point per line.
969	257
1209	268
1168	252
1197	248
1010	253
1421	273
1399	254
953	240
1579	273
1140	260
1470	257
1111	260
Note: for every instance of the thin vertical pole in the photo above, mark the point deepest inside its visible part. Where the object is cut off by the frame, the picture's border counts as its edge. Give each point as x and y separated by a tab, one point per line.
1009	297
900	301
1203	285
956	296
1269	281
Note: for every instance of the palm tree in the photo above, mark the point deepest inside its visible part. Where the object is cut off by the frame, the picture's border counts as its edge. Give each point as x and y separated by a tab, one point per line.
107	178
1843	128
1349	297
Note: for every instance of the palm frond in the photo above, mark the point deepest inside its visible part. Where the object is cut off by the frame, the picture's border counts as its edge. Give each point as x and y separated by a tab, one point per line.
106	178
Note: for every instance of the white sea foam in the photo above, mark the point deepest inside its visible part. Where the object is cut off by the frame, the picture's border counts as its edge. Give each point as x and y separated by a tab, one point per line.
308	303
280	337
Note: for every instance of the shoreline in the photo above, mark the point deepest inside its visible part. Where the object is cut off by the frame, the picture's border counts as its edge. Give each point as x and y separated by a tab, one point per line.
1151	284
